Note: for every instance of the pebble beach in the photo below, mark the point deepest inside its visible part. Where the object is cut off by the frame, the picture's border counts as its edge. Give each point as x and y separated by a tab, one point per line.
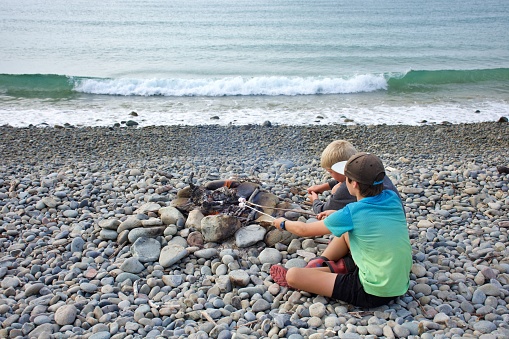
78	259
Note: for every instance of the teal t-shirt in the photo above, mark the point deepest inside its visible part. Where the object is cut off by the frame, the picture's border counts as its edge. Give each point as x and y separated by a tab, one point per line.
379	242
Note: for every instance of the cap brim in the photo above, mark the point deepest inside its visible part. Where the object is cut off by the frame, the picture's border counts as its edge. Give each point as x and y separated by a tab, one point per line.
339	167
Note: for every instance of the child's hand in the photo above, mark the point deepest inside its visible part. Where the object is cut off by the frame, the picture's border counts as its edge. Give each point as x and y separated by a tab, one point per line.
312	196
324	214
314	189
277	223
320	188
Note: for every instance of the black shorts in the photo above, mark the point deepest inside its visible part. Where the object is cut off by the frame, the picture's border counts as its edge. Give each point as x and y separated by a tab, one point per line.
348	288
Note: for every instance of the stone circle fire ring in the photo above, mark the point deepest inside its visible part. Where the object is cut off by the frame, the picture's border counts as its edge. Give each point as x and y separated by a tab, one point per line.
222	197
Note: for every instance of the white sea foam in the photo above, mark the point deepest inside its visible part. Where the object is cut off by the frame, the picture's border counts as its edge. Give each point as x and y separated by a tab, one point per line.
224	111
231	86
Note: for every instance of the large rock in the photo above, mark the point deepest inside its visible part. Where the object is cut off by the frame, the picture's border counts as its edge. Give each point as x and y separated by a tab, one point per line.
274	236
195	239
66	315
270	256
184	204
170	215
268	200
50	202
122	237
206	253
33	289
249	235
194	219
13	282
77	244
44	331
239	278
178	240
106	234
148	207
132	265
145	232
185	192
146	249
126	276
246	189
287	237
224	284
264	219
109	224
128	224
424	224
219	227
172	280
151	222
491	289
172	254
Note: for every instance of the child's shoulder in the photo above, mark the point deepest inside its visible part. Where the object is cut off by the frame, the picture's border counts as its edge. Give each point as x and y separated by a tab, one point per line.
384	196
388	194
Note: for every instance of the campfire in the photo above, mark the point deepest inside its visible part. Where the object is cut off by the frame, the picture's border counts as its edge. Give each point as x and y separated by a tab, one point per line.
243	199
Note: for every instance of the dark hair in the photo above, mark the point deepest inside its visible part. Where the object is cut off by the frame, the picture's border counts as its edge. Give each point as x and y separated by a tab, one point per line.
368	190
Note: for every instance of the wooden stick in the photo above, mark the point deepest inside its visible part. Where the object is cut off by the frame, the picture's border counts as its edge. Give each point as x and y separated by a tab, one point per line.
282	209
119	248
207	316
418	302
360	314
248	323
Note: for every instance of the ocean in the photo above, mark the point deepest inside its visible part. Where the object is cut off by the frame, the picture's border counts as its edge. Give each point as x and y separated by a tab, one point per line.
293	62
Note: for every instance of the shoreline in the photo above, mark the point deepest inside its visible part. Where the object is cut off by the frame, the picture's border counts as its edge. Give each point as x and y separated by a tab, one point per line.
63	192
239	141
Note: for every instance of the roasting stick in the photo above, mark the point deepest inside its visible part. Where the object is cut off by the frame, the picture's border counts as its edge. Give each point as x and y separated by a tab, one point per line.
243	203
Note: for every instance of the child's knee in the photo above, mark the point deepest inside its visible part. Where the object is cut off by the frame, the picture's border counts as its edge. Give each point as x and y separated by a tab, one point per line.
292	275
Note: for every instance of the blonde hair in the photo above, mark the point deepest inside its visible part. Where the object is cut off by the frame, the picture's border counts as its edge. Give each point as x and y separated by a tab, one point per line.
336	151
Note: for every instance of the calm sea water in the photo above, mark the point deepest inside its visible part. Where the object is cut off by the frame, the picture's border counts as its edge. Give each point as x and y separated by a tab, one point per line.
297	62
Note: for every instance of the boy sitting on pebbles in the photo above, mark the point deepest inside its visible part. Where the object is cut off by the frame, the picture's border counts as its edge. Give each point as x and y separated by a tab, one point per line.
373	229
337	152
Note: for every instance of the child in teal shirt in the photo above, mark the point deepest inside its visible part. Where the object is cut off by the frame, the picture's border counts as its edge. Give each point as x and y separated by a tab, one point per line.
373	231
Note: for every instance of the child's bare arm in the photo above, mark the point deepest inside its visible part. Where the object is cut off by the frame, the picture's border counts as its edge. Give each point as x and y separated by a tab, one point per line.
320	188
336	187
302	229
324	214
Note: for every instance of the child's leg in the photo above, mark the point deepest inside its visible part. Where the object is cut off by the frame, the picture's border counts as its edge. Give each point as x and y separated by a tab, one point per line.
316	280
337	248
